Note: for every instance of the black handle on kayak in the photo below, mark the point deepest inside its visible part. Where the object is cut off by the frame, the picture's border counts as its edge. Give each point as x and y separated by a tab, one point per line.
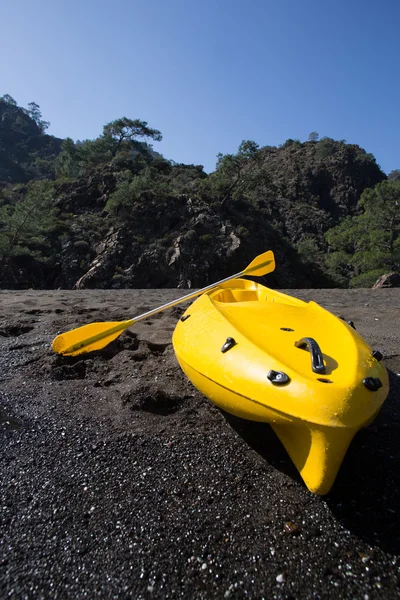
317	362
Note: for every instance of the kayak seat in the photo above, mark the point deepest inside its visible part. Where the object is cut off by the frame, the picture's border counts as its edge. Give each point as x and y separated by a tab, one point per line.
237	295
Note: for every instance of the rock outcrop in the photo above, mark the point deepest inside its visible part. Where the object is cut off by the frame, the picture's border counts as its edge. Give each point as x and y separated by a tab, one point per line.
389	280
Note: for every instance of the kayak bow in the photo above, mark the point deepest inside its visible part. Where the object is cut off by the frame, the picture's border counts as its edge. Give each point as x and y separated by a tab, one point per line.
266	356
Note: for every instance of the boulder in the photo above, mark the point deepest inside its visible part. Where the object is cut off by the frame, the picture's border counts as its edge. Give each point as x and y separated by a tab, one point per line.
389	280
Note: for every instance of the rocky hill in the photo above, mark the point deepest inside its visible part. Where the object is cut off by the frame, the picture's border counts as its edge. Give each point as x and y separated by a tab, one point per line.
316	184
116	214
26	152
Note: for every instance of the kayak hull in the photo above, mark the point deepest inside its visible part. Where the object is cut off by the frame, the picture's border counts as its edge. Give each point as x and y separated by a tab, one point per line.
314	415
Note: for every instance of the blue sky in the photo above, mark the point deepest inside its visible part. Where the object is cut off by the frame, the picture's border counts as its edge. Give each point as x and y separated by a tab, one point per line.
209	74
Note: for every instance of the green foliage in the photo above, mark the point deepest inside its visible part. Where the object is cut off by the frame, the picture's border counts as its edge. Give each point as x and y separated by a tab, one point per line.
206	239
124	197
118	144
325	148
368	244
185	178
44	168
156	181
8	100
92	153
35	113
26	152
248	149
365	157
291	143
366	279
313	137
308	250
338	267
242	232
149	184
127	130
27	218
295	191
69	162
239	175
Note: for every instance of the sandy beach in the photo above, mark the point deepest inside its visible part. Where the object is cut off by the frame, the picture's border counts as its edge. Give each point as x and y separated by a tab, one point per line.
120	480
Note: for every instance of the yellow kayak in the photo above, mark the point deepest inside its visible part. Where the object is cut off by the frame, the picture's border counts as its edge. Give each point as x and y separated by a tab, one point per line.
266	356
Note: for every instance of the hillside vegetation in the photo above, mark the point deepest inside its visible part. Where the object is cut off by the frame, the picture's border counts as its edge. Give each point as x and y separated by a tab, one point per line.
112	212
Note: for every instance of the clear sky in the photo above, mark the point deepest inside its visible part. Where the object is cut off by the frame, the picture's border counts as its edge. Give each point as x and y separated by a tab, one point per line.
210	73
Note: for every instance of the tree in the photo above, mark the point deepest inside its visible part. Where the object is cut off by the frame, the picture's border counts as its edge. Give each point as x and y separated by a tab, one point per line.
26	219
248	149
382	216
238	174
35	113
289	142
149	185
69	161
313	137
8	99
325	148
128	130
367	245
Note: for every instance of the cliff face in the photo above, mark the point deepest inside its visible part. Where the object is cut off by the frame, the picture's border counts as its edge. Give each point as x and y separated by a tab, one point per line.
175	241
315	184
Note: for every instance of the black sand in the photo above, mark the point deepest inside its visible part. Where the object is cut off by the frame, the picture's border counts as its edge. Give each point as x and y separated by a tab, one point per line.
119	480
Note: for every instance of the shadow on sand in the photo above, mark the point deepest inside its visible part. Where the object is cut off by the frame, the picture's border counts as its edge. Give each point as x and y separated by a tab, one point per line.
366	495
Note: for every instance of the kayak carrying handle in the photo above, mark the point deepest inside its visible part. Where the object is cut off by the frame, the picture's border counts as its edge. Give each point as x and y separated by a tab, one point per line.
317	361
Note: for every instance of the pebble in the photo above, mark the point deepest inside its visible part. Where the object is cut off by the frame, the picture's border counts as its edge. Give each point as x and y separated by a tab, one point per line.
290	527
280	578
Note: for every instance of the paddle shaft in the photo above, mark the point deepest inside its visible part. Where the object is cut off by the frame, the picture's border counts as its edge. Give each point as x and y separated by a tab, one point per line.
189	296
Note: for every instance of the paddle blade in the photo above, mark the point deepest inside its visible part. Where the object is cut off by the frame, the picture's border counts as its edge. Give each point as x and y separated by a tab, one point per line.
261	265
88	338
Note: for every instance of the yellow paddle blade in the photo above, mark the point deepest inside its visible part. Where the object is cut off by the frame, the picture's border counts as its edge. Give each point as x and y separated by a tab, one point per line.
261	265
88	338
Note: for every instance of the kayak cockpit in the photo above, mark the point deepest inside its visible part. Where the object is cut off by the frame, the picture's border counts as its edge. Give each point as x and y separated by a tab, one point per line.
244	291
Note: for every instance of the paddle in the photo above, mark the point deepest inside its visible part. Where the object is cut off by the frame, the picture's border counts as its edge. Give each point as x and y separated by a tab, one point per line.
98	335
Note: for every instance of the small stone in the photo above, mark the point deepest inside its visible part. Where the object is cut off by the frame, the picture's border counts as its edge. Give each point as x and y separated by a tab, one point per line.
204	566
280	578
365	559
290	527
